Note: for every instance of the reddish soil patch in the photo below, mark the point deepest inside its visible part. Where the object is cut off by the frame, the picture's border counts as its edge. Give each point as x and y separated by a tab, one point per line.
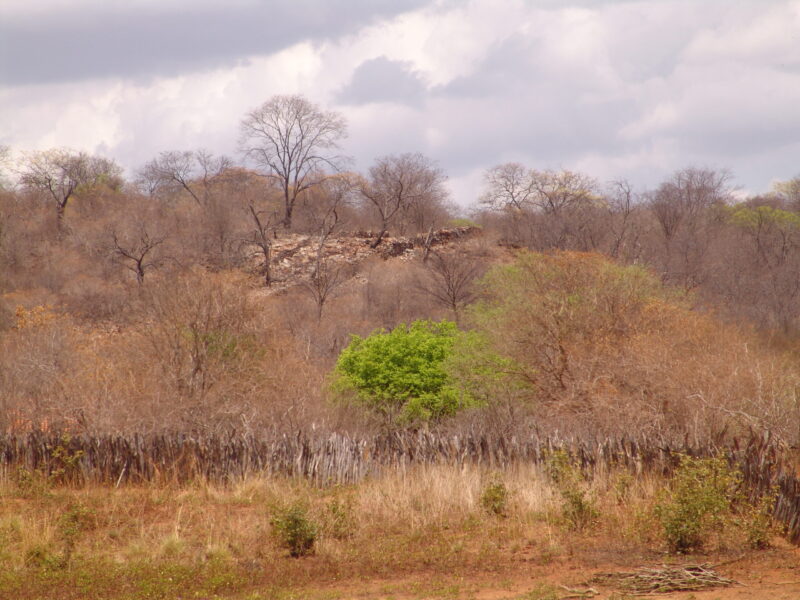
772	575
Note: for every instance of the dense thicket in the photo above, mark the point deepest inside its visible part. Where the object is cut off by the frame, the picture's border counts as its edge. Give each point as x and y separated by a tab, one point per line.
205	295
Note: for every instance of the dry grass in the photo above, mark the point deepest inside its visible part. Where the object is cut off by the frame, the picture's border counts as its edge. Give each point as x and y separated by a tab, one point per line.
429	524
426	519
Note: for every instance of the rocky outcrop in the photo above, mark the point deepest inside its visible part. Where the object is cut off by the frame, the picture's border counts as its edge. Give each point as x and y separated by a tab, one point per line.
295	256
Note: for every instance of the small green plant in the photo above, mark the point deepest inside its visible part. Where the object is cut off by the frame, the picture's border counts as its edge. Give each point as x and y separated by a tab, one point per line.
66	462
698	502
340	521
43	557
494	498
623	484
577	509
74	521
294	530
30	483
559	468
757	521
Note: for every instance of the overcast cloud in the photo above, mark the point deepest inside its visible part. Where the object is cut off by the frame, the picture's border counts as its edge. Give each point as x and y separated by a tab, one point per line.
630	89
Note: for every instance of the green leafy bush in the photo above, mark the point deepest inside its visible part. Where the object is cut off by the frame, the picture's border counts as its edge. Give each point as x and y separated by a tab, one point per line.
66	462
294	530
698	503
494	498
401	374
578	508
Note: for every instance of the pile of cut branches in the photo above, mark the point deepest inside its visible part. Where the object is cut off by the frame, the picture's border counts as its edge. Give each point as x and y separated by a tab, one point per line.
666	579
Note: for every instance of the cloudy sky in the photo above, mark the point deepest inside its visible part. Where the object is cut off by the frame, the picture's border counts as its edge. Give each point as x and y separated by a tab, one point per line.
631	89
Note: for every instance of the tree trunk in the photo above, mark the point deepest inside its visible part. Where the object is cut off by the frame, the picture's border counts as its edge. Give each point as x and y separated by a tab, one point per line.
379	239
289	207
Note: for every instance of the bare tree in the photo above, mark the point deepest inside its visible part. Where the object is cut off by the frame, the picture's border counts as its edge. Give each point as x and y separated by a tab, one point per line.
789	192
60	174
137	254
450	280
329	200
398	181
554	191
621	202
508	186
686	195
192	171
264	222
682	208
295	143
545	209
323	282
5	164
326	276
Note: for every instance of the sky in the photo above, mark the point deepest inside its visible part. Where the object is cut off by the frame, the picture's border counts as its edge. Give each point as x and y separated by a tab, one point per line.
613	89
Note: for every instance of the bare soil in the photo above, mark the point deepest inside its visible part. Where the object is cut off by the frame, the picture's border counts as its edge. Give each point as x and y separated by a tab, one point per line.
772	574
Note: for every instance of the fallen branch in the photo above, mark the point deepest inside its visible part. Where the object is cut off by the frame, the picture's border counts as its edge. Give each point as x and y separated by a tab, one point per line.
573	593
666	579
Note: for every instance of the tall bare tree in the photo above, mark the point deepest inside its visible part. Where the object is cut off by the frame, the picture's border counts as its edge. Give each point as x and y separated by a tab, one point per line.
682	208
621	206
396	183
294	142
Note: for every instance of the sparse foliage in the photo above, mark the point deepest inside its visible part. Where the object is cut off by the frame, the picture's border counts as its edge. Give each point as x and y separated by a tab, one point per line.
699	502
294	530
494	498
137	253
61	174
450	280
191	171
401	184
295	143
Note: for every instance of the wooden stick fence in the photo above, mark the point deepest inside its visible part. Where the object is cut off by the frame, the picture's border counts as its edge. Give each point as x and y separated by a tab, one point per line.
341	459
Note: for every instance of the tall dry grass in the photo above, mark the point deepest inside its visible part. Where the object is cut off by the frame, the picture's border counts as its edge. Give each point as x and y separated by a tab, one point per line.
428	516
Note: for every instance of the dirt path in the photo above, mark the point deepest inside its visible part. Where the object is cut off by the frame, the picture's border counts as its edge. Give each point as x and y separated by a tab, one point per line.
772	575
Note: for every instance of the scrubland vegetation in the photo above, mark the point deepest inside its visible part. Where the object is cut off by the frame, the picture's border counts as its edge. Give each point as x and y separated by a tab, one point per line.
205	297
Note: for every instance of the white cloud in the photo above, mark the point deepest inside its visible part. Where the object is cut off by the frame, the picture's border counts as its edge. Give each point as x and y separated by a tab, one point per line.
618	89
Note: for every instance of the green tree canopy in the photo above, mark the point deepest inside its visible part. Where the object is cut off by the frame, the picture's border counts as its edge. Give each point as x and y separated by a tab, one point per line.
402	374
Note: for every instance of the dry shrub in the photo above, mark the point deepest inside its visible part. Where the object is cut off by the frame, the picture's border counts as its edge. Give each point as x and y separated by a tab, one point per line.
607	349
96	299
203	356
388	297
34	357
